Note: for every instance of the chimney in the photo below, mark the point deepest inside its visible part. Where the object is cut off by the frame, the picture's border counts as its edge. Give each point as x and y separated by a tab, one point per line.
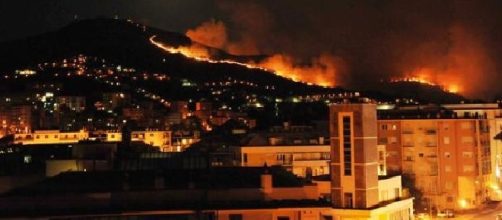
266	182
286	125
321	140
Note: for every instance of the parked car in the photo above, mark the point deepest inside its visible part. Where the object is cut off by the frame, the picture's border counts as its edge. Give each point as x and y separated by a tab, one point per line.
446	213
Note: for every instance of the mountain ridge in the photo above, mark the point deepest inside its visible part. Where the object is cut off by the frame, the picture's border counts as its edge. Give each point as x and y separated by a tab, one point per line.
122	41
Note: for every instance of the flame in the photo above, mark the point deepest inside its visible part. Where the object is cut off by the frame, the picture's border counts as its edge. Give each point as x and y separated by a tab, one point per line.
464	65
321	72
431	77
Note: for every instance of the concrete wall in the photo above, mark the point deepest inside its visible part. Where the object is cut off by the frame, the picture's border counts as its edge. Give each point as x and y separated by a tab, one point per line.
389	189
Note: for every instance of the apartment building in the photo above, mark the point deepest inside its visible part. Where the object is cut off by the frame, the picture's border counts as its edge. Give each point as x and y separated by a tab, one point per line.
303	150
302	160
15	119
448	155
492	113
160	139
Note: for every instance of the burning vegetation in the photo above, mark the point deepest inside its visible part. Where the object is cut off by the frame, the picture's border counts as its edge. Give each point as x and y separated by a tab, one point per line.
462	66
451	52
321	70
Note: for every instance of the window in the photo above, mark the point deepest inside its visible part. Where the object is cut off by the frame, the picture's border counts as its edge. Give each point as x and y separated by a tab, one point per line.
392	140
382	168
465	125
467	140
447	154
467	154
235	217
347	145
280	157
384	127
348	200
446	126
446	140
245	158
468	168
394	127
282	217
381	155
421	155
397	192
27	159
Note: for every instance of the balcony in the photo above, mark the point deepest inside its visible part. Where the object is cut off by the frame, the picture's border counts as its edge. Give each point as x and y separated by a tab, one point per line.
431	144
432	158
382	141
432	173
408	159
311	159
430	132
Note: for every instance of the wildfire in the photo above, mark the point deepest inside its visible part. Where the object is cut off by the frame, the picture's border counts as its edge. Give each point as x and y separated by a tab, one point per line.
424	76
319	73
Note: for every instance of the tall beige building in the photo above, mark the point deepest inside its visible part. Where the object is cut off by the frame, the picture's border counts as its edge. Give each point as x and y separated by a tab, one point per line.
354	160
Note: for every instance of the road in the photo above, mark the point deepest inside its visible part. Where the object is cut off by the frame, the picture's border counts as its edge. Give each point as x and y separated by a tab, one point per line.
488	213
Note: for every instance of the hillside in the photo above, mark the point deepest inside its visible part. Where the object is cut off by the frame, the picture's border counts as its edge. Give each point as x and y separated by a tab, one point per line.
124	42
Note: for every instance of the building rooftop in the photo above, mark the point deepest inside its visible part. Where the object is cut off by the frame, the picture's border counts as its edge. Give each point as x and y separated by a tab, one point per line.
113	181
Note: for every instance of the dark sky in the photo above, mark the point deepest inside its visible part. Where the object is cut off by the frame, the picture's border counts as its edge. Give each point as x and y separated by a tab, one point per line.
27	17
453	41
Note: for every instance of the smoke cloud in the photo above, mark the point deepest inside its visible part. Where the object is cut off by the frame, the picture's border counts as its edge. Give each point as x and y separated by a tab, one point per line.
357	43
212	33
255	23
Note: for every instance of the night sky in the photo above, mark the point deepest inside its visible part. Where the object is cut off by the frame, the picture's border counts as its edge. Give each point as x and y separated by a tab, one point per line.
449	40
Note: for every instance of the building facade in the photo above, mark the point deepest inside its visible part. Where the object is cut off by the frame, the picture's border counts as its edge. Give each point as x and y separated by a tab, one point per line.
448	157
354	154
302	160
159	139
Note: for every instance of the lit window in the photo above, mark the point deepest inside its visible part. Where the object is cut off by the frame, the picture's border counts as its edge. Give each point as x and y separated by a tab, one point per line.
468	168
27	159
467	154
447	154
